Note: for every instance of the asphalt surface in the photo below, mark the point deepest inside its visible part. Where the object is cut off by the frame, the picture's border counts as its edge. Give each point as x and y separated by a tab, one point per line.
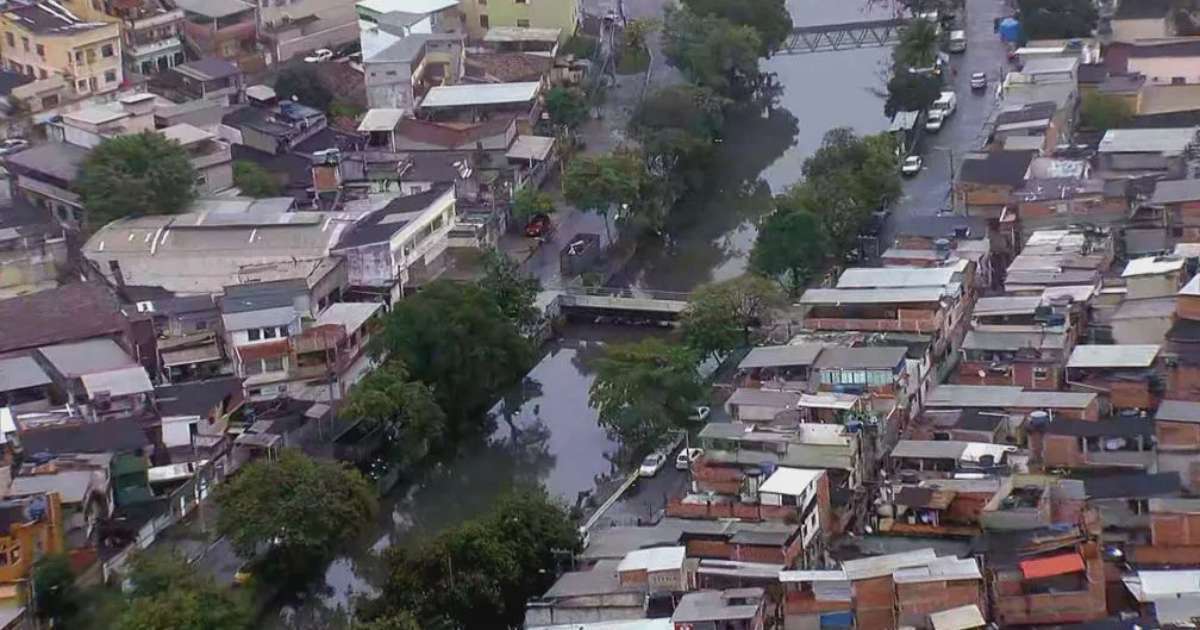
929	191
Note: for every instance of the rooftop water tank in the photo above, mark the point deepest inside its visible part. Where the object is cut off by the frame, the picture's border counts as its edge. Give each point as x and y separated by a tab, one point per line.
1010	30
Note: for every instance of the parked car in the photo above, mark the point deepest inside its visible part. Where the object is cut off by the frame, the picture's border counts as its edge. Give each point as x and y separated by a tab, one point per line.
957	42
701	414
911	166
652	464
539	225
933	123
685	458
320	54
12	145
978	81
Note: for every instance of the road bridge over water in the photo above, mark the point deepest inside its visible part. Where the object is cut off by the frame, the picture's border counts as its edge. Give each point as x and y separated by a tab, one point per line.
845	36
618	304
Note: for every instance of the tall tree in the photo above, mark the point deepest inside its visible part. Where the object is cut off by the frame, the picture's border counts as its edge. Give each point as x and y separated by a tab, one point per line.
1057	19
723	315
458	340
530	201
598	184
55	596
790	248
567	106
480	573
513	290
406	409
167	594
135	175
296	508
303	84
769	18
676	127
918	45
644	390
911	91
870	163
713	52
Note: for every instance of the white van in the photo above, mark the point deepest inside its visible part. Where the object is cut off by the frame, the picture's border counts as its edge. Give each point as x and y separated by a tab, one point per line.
958	42
946	103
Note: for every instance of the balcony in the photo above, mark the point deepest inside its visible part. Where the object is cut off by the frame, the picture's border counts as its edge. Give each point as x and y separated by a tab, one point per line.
154	47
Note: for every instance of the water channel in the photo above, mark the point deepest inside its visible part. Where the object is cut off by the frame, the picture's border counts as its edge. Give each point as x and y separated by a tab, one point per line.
556	441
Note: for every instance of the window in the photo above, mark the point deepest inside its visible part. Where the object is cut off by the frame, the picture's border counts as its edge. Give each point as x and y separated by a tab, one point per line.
202	325
92	83
106	50
41	51
253	367
29	71
283	332
274	364
1041	373
523	23
254	334
521	1
49	102
9	39
25	43
78	56
110	76
268	333
483	22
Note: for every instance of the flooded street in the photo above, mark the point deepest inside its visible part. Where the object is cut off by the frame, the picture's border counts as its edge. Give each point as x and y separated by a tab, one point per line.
546	432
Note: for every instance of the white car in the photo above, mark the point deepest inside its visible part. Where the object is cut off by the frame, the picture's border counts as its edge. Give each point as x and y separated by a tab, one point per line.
683	461
978	81
652	464
933	124
12	145
911	166
320	54
701	414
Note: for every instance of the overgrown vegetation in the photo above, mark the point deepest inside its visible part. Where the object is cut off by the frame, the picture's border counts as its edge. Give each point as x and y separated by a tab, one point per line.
915	79
1057	19
1102	112
254	180
135	175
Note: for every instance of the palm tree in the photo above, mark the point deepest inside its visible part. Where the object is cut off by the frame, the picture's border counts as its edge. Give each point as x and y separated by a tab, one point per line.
918	45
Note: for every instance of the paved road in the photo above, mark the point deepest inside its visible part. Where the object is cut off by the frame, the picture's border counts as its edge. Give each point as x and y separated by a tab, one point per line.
929	191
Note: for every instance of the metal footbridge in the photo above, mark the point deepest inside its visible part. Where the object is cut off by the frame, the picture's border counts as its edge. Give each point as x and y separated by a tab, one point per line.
617	303
832	37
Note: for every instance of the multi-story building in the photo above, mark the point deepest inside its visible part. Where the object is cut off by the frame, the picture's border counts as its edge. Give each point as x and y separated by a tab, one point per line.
481	15
150	35
43	40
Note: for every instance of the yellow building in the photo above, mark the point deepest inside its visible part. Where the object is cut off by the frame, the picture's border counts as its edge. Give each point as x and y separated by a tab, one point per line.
30	527
47	42
481	15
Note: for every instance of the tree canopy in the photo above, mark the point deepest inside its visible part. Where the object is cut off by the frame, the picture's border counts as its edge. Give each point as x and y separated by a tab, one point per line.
168	595
713	52
790	247
1057	19
296	508
55	595
1102	112
769	18
723	315
676	128
478	574
911	92
530	201
255	181
567	106
513	290
414	422
601	183
918	45
458	340
135	175
644	390
302	84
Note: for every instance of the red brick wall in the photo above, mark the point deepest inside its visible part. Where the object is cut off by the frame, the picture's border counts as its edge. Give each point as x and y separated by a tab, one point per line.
716	549
874	603
1177	435
1175	530
1060	450
915	602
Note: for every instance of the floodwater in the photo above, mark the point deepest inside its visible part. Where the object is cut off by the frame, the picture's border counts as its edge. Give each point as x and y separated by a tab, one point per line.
711	235
546	432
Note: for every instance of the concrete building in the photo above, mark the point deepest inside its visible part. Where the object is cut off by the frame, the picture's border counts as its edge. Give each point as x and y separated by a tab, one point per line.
220	28
482	15
45	42
152	35
1136	21
209	155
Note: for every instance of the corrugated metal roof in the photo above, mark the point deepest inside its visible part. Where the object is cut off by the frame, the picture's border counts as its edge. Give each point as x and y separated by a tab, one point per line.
790	481
121	382
872	296
1178	411
947	568
887	277
1165	141
961	618
781	356
21	372
1152	265
480	94
655	559
1117	356
381	119
1051	566
1176	191
878	566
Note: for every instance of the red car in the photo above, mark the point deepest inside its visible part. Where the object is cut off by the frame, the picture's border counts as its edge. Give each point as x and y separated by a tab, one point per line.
539	225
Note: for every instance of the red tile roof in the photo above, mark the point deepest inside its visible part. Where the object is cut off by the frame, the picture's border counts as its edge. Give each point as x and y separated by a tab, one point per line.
1051	566
70	313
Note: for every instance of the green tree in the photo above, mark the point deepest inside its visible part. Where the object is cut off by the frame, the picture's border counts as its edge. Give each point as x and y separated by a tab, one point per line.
1102	112
723	315
530	201
55	596
636	32
863	167
299	510
303	84
769	18
414	422
135	175
480	573
713	52
790	247
167	594
918	46
456	339
255	181
402	620
513	290
1057	19
644	390
567	106
677	127
911	92
597	184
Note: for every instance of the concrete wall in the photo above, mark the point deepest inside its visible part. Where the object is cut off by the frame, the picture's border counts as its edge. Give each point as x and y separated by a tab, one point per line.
561	14
1166	69
389	85
1129	31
